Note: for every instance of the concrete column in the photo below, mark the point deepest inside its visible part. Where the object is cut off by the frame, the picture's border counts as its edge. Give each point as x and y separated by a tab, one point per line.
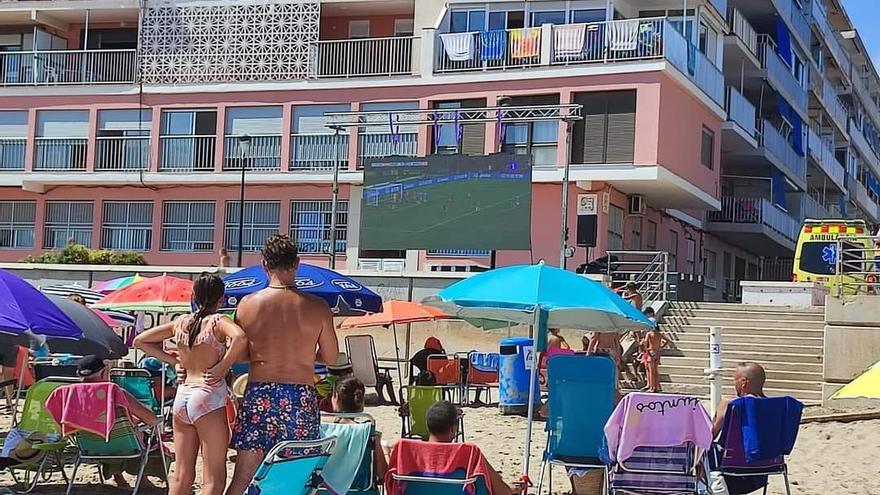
353	232
31	144
97	222
424	134
546	44
220	226
427	52
155	141
156	238
220	144
91	143
286	131
39	224
353	148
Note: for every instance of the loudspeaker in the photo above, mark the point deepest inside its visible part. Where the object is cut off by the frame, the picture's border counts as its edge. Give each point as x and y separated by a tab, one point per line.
586	230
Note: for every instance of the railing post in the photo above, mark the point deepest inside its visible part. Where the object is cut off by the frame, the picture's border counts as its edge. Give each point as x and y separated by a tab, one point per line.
715	369
546	44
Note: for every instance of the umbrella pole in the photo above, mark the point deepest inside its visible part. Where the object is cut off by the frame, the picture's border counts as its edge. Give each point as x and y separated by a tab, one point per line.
397	356
408	347
540	321
18	387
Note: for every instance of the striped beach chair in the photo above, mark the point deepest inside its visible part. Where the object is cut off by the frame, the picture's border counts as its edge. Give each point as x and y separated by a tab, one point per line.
660	470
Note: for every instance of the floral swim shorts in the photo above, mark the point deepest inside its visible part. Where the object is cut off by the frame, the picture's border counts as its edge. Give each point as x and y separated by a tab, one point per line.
275	412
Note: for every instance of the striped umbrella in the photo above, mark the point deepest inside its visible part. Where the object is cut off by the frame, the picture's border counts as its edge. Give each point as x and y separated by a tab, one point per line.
163	294
108	286
65	290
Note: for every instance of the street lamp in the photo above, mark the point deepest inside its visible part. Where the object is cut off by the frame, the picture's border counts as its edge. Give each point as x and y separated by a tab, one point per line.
334	203
244	145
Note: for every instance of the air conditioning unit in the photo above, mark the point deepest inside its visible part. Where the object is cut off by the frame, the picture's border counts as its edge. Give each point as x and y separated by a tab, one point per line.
636	204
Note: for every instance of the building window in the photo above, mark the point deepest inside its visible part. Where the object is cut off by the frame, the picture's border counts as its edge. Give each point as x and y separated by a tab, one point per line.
691	256
188	226
635	238
651	236
537	139
607	132
128	225
403	27
68	221
310	225
187	140
261	219
17	224
463	21
673	250
359	29
707	148
615	228
710	270
467	139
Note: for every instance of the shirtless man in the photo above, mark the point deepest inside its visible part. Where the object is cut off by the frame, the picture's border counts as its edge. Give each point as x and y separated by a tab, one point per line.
287	332
748	380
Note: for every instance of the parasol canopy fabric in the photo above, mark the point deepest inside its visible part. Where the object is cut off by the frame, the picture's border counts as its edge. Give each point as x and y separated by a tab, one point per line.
98	338
165	294
115	284
864	386
89	295
395	312
24	308
344	295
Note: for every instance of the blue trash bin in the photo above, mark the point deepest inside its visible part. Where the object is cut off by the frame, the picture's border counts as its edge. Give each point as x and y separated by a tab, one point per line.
513	377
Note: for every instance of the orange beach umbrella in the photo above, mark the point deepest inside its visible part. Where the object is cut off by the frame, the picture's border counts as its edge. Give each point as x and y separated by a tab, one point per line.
165	294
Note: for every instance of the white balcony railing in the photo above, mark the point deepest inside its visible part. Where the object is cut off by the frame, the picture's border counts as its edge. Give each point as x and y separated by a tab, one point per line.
488	50
833	104
362	57
60	153
263	154
861	143
382	145
741	111
122	153
743	30
820	17
318	151
693	63
68	67
812	208
186	153
824	156
756	211
778	146
12	152
780	74
611	41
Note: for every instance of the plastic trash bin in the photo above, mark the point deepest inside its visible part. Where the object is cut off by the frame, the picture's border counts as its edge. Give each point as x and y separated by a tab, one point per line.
513	377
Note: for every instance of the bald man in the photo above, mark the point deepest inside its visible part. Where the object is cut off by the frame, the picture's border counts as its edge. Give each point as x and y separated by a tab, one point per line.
748	380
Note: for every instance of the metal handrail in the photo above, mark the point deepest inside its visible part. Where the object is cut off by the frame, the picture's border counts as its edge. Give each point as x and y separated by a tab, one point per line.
857	265
650	273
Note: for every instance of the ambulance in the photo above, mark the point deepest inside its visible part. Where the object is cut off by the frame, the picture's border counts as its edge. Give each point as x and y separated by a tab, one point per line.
815	258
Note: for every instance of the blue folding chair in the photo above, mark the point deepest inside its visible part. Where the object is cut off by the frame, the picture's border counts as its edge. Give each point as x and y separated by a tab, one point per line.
292	468
365	480
424	481
575	427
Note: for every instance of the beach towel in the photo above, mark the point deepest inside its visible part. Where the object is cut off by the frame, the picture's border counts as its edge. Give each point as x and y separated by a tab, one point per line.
342	466
623	35
435	460
525	43
569	38
493	44
656	420
769	426
89	407
459	47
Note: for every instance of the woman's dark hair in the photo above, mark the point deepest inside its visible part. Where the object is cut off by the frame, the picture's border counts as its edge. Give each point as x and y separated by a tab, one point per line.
350	392
207	291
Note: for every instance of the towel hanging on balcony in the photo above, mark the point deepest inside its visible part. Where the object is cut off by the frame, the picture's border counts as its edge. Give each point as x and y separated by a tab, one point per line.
777	186
493	44
525	43
459	47
568	39
783	41
873	185
623	36
797	125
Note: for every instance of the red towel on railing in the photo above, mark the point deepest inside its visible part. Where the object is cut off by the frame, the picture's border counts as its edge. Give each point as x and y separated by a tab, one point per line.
88	407
435	460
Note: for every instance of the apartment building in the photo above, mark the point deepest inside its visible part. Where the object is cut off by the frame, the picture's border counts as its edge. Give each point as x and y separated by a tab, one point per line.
121	122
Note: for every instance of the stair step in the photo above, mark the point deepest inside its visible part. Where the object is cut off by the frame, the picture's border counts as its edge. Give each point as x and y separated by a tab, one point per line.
739	339
739	322
752	348
766	356
807	396
783	384
702	362
777	374
743	330
767	308
748	315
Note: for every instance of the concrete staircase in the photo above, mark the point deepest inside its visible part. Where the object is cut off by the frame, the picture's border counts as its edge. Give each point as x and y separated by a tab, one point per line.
787	341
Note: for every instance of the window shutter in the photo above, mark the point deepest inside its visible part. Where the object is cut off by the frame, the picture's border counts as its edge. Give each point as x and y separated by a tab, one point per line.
473	136
593	130
621	127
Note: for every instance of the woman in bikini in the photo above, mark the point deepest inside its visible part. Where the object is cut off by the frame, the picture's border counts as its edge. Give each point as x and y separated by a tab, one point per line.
199	408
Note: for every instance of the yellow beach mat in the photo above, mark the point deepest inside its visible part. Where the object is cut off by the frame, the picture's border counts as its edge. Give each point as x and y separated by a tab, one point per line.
866	385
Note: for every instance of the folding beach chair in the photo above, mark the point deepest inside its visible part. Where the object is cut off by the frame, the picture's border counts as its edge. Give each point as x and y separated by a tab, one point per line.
418	400
575	433
361	351
140	384
757	434
657	443
482	373
43	434
447	372
292	468
407	474
365	480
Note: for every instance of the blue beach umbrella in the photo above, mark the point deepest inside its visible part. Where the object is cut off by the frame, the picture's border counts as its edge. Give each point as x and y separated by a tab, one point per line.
23	308
345	296
542	296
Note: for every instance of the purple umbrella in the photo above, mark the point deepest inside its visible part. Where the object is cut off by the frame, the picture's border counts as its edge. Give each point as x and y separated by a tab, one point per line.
23	307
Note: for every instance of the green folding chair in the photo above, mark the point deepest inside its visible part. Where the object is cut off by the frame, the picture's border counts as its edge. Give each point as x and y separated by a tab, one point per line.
39	427
139	383
419	399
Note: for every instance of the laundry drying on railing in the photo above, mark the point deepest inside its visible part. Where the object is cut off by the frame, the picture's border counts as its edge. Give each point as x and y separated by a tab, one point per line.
459	47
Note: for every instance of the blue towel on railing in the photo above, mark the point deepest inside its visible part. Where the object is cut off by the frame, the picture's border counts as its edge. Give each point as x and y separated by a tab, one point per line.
769	426
485	361
493	44
692	59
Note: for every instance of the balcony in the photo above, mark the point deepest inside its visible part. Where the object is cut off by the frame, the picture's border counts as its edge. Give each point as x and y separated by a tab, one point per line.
318	152
812	208
824	157
186	153
781	153
693	63
264	153
780	75
60	153
861	143
860	90
122	153
720	6
757	224
741	28
488	50
863	199
385	145
834	105
820	18
796	18
85	67
362	57
12	151
740	111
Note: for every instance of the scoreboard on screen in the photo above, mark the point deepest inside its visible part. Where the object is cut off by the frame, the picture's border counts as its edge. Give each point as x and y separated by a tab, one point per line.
447	202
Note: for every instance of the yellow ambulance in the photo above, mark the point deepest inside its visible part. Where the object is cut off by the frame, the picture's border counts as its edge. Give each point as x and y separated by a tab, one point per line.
815	257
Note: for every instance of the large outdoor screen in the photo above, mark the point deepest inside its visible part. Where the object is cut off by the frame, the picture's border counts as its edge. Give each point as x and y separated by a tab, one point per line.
447	202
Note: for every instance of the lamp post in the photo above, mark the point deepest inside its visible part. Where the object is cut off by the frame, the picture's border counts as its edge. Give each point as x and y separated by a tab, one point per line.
244	144
334	203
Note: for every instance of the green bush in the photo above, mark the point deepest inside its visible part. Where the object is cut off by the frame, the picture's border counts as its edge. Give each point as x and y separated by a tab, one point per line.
76	254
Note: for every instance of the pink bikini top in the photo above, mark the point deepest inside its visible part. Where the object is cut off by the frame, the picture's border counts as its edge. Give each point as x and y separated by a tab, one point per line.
207	334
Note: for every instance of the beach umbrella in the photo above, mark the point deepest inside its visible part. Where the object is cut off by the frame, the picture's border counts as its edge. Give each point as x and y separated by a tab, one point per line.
345	296
23	308
864	386
394	312
115	284
544	297
98	338
165	294
65	290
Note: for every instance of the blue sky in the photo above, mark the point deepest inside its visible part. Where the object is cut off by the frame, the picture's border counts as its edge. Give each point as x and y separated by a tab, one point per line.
864	15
